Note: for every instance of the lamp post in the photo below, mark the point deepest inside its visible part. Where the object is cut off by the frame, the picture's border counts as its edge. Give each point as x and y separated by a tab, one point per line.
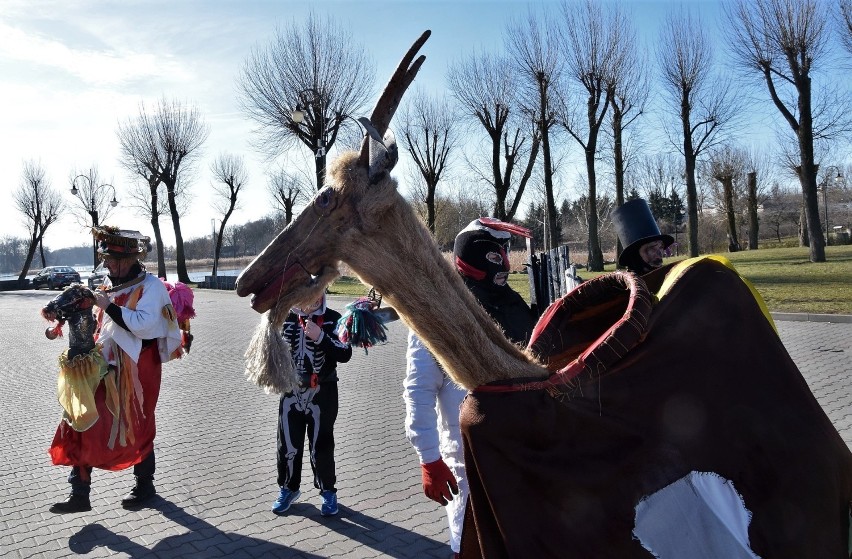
89	196
297	115
837	179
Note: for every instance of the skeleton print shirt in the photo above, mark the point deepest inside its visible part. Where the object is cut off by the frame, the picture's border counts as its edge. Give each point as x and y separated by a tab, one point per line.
320	356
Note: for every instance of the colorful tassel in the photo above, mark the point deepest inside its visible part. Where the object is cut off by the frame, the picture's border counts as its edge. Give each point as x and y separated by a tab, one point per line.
360	325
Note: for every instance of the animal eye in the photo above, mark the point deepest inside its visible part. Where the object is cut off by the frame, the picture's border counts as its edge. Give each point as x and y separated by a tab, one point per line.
323	200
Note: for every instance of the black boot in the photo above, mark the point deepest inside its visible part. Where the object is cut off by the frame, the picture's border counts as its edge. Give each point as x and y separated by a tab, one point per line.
141	492
74	503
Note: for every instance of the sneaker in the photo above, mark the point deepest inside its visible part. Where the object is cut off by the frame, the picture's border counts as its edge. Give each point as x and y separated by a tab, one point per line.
329	503
284	500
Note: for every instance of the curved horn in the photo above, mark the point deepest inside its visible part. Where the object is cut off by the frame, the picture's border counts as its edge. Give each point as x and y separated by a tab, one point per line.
389	101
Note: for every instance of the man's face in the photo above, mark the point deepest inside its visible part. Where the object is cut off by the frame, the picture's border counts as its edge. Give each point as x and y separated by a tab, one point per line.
118	267
652	253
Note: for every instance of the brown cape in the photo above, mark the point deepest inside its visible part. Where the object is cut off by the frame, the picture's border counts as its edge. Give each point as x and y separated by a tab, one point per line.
697	381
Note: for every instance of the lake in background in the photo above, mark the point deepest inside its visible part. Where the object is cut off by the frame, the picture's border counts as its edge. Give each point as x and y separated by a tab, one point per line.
195	276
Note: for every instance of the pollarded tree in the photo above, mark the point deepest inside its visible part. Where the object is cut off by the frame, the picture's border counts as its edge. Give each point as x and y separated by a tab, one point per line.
429	132
231	175
41	206
596	42
534	50
485	87
160	147
287	191
316	69
703	102
785	43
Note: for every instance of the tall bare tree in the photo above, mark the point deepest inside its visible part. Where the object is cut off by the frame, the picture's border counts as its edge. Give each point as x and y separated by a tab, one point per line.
630	87
784	43
846	24
594	43
160	147
485	87
702	100
534	49
231	175
287	191
429	132
728	167
316	68
41	206
94	201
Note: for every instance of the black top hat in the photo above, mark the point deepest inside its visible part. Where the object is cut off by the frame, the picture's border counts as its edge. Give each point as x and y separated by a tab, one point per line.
635	225
121	243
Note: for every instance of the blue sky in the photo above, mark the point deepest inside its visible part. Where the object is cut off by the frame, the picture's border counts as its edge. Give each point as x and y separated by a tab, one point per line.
72	69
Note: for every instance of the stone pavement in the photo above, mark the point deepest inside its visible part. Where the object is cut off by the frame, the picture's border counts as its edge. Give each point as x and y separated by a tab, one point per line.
216	450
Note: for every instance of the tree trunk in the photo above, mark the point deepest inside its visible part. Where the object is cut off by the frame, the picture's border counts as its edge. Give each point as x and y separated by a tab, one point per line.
753	222
180	259
618	153
595	263
691	190
731	219
29	260
320	172
158	238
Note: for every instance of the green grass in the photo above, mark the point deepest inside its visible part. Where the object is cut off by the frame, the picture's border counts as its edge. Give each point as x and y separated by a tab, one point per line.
784	277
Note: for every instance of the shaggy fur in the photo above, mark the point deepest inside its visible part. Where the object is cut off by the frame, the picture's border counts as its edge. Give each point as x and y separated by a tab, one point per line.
268	362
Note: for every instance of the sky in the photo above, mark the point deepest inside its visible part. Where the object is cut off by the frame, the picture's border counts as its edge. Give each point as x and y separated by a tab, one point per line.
73	69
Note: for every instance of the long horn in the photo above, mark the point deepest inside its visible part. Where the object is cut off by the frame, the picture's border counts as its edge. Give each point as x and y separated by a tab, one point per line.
389	101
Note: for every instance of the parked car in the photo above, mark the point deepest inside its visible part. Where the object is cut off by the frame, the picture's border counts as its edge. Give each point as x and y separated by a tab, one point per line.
54	277
96	278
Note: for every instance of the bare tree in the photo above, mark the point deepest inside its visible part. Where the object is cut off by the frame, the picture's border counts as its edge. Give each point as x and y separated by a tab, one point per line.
533	47
727	166
161	147
846	24
41	206
95	200
630	86
231	173
595	44
315	68
703	101
485	87
784	42
429	132
287	191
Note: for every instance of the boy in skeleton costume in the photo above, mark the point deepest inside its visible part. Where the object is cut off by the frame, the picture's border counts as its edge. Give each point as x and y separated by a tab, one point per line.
432	400
312	408
137	331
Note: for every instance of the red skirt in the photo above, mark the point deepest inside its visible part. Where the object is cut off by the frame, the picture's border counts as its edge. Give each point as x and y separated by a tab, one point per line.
91	448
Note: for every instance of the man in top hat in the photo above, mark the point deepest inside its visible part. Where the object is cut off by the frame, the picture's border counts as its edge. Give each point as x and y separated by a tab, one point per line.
432	399
137	331
644	246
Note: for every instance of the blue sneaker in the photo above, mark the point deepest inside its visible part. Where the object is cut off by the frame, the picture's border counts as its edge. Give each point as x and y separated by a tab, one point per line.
284	500
329	503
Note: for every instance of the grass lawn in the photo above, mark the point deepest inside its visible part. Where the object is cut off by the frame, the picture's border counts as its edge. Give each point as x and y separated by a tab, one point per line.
785	278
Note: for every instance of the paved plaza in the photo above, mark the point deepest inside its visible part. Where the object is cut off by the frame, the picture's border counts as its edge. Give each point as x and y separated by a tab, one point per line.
216	449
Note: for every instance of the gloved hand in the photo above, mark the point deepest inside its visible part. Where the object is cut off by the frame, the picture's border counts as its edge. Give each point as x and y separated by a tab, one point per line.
439	484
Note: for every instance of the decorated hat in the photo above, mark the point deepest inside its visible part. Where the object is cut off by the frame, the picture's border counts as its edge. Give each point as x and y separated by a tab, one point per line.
121	243
635	226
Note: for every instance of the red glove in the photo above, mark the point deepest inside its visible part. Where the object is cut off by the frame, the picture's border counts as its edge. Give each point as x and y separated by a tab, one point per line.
438	482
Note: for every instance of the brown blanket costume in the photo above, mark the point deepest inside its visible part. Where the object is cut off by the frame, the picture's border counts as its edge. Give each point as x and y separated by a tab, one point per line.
698	381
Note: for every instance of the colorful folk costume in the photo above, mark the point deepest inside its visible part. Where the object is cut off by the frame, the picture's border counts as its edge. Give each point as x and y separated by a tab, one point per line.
109	394
675	425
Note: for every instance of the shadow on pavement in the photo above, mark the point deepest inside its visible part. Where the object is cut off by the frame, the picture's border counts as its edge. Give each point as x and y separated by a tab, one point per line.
201	536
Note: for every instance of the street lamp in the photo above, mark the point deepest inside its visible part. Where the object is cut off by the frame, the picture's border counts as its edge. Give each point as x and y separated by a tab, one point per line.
297	115
837	179
92	204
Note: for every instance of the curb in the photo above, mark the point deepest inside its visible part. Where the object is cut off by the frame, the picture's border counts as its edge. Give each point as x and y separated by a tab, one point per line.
807	317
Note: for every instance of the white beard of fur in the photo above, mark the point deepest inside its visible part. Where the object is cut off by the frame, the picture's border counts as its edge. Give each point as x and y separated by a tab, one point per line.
269	363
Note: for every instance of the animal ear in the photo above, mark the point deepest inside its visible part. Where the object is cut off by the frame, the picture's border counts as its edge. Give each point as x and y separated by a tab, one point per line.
383	156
